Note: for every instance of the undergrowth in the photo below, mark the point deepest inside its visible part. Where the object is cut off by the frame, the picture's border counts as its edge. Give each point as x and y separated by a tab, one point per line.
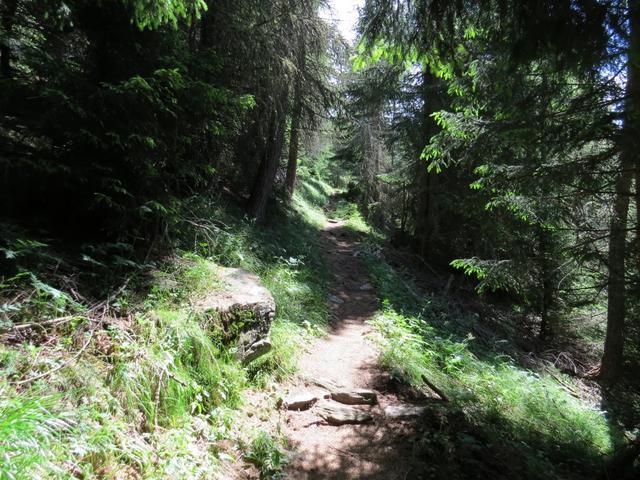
530	425
265	452
142	388
354	221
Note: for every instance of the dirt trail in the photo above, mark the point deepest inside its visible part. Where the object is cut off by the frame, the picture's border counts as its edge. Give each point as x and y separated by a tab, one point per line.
381	449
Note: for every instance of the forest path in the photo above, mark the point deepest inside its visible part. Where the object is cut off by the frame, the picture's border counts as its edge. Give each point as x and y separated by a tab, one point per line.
380	449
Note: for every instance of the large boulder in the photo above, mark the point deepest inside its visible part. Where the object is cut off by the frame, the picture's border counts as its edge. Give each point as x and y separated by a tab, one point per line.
244	309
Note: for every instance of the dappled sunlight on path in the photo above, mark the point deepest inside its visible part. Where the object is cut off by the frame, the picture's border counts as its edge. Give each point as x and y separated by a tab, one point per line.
346	357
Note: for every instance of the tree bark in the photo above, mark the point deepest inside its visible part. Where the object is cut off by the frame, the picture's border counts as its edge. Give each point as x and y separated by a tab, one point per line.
616	304
263	185
613	356
637	239
296	118
547	324
427	218
294	140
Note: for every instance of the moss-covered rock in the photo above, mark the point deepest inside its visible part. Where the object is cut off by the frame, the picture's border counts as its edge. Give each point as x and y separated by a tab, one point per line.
244	308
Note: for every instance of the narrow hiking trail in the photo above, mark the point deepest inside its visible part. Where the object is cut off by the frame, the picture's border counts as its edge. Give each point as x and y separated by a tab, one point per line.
382	448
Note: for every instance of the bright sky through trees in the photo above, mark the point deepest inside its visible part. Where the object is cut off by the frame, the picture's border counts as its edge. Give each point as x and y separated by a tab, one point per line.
345	14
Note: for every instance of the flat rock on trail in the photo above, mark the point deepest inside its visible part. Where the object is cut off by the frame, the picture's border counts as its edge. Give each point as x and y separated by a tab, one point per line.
380	449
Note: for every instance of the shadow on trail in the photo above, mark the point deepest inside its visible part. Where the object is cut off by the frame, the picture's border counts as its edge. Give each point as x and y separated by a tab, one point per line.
377	450
351	299
442	444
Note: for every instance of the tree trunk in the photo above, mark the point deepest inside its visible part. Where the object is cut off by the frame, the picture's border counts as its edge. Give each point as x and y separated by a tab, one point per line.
292	164
636	244
405	209
547	324
637	199
263	185
427	218
371	150
296	118
616	303
8	19
613	356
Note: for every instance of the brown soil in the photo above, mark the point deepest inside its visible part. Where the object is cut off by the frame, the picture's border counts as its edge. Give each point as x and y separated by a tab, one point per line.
381	449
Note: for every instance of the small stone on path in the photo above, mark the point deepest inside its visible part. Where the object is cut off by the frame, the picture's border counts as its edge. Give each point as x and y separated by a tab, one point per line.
325	383
366	286
338	415
402	412
303	401
335	299
355	397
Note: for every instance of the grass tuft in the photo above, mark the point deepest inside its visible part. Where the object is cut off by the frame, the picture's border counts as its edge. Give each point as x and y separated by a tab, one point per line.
29	428
265	452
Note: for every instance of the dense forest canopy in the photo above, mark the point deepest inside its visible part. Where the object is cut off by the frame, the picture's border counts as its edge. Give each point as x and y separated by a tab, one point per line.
491	145
531	104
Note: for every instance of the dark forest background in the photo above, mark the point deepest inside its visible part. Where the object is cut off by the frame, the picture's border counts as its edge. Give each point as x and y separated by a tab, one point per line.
492	144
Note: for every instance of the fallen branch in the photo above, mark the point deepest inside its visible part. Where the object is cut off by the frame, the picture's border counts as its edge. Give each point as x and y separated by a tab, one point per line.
53	321
440	393
59	367
566	387
350	454
173	377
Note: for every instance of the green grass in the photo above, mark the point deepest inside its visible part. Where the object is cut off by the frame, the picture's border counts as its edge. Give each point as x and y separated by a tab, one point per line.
175	371
28	431
524	417
315	191
155	391
131	409
354	221
266	453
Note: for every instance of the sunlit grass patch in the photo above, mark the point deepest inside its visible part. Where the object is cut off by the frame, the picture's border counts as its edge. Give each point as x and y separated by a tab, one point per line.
354	221
315	191
29	431
157	388
350	213
526	410
311	214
